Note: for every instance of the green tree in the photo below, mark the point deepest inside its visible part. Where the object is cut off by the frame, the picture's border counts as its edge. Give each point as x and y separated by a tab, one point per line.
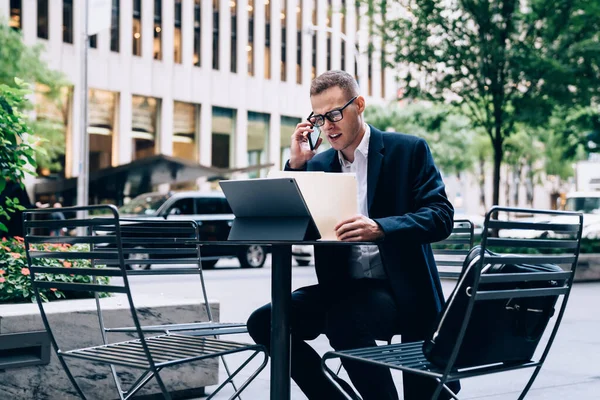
17	147
447	131
506	61
25	62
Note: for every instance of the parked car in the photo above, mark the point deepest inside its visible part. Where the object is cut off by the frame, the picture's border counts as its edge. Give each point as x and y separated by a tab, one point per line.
213	215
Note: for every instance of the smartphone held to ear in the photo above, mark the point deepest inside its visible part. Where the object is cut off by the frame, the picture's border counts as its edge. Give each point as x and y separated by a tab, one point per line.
313	137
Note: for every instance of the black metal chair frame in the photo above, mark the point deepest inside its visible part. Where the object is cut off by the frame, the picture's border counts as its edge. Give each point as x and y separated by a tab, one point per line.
409	357
450	253
155	347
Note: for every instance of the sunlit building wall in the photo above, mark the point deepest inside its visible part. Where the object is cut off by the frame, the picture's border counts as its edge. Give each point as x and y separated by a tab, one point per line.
219	82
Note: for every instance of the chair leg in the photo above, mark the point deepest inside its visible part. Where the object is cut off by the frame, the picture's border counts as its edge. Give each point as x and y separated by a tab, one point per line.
342	386
163	388
137	385
70	376
248	381
229	375
530	382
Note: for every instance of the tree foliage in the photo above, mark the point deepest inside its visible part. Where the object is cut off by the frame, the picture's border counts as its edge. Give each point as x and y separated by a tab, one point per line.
447	131
508	62
25	62
17	147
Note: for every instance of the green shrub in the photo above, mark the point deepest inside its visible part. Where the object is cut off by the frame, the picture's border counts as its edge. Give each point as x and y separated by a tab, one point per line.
15	282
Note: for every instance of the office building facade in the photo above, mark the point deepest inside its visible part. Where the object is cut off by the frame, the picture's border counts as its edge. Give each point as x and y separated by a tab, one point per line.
219	82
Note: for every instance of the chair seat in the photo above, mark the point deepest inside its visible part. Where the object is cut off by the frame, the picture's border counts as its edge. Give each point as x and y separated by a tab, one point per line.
410	357
165	350
190	329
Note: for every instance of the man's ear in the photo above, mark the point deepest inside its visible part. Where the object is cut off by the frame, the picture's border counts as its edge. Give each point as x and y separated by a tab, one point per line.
360	104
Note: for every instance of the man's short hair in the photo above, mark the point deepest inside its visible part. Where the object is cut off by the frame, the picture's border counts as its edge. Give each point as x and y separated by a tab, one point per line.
330	79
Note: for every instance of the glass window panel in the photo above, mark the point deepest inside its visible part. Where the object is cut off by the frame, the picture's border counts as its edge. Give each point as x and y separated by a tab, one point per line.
197	32
15	14
68	21
114	26
185	122
157	47
42	19
137	27
177	39
143	126
223	133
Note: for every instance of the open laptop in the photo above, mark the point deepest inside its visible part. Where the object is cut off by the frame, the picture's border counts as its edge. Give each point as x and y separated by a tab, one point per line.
269	209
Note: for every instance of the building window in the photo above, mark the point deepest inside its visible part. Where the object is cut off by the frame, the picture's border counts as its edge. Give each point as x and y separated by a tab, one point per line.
258	140
357	11
68	21
42	19
197	32
250	46
185	128
114	26
283	17
137	27
15	14
143	126
314	41
343	18
157	50
233	50
299	35
288	126
215	60
223	133
94	41
267	39
100	128
177	44
328	22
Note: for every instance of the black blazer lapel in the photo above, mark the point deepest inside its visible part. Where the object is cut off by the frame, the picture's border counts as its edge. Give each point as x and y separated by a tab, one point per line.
376	151
334	165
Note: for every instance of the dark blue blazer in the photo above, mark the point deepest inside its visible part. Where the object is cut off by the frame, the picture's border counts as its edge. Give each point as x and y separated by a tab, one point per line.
407	198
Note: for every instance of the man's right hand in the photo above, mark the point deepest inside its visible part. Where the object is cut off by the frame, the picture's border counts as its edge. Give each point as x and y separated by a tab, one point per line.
300	149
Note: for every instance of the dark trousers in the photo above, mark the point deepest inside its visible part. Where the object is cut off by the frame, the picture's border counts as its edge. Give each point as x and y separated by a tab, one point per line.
355	316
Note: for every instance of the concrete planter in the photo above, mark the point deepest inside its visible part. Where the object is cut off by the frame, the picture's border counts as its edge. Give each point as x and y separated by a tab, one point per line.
588	267
75	324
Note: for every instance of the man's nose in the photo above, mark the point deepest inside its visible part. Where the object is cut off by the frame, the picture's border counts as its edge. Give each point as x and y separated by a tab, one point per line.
328	125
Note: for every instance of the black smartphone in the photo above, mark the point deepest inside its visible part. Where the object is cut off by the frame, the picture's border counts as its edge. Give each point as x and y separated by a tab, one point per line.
313	137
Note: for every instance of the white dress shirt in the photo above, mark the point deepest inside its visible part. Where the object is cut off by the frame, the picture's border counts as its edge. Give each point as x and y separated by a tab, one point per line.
365	261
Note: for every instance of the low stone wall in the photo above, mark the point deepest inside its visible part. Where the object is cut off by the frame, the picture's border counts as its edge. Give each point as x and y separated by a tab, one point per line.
75	325
588	268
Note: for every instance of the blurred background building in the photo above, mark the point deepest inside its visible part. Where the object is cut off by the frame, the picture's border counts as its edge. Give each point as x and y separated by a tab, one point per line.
217	82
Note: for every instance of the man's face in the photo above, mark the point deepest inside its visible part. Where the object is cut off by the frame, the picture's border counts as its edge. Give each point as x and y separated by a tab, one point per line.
347	133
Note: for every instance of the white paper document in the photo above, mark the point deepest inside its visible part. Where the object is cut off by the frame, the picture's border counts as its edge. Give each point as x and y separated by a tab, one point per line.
330	197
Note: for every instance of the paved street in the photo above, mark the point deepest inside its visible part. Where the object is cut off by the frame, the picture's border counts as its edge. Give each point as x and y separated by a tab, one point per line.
572	370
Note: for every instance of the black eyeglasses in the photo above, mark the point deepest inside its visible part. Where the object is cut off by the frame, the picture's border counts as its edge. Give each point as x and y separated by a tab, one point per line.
333	115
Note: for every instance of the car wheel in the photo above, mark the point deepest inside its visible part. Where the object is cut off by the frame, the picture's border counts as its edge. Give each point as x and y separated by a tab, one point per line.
253	257
209	264
303	263
139	257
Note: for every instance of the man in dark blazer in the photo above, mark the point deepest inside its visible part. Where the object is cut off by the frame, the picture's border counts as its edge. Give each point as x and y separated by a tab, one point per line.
366	293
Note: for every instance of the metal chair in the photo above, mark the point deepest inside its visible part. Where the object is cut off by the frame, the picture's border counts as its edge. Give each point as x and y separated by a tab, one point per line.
108	243
450	253
564	234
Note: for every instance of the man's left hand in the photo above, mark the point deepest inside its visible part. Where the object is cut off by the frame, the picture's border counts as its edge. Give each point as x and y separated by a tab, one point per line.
358	229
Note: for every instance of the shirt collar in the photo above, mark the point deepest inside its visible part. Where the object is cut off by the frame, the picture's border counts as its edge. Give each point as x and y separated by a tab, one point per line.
363	148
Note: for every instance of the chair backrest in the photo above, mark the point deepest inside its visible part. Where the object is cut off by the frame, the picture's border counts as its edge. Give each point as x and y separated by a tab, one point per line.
82	264
550	238
450	253
169	246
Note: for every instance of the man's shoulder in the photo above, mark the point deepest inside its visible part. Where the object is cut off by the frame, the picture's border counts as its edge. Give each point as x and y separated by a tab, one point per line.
322	159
